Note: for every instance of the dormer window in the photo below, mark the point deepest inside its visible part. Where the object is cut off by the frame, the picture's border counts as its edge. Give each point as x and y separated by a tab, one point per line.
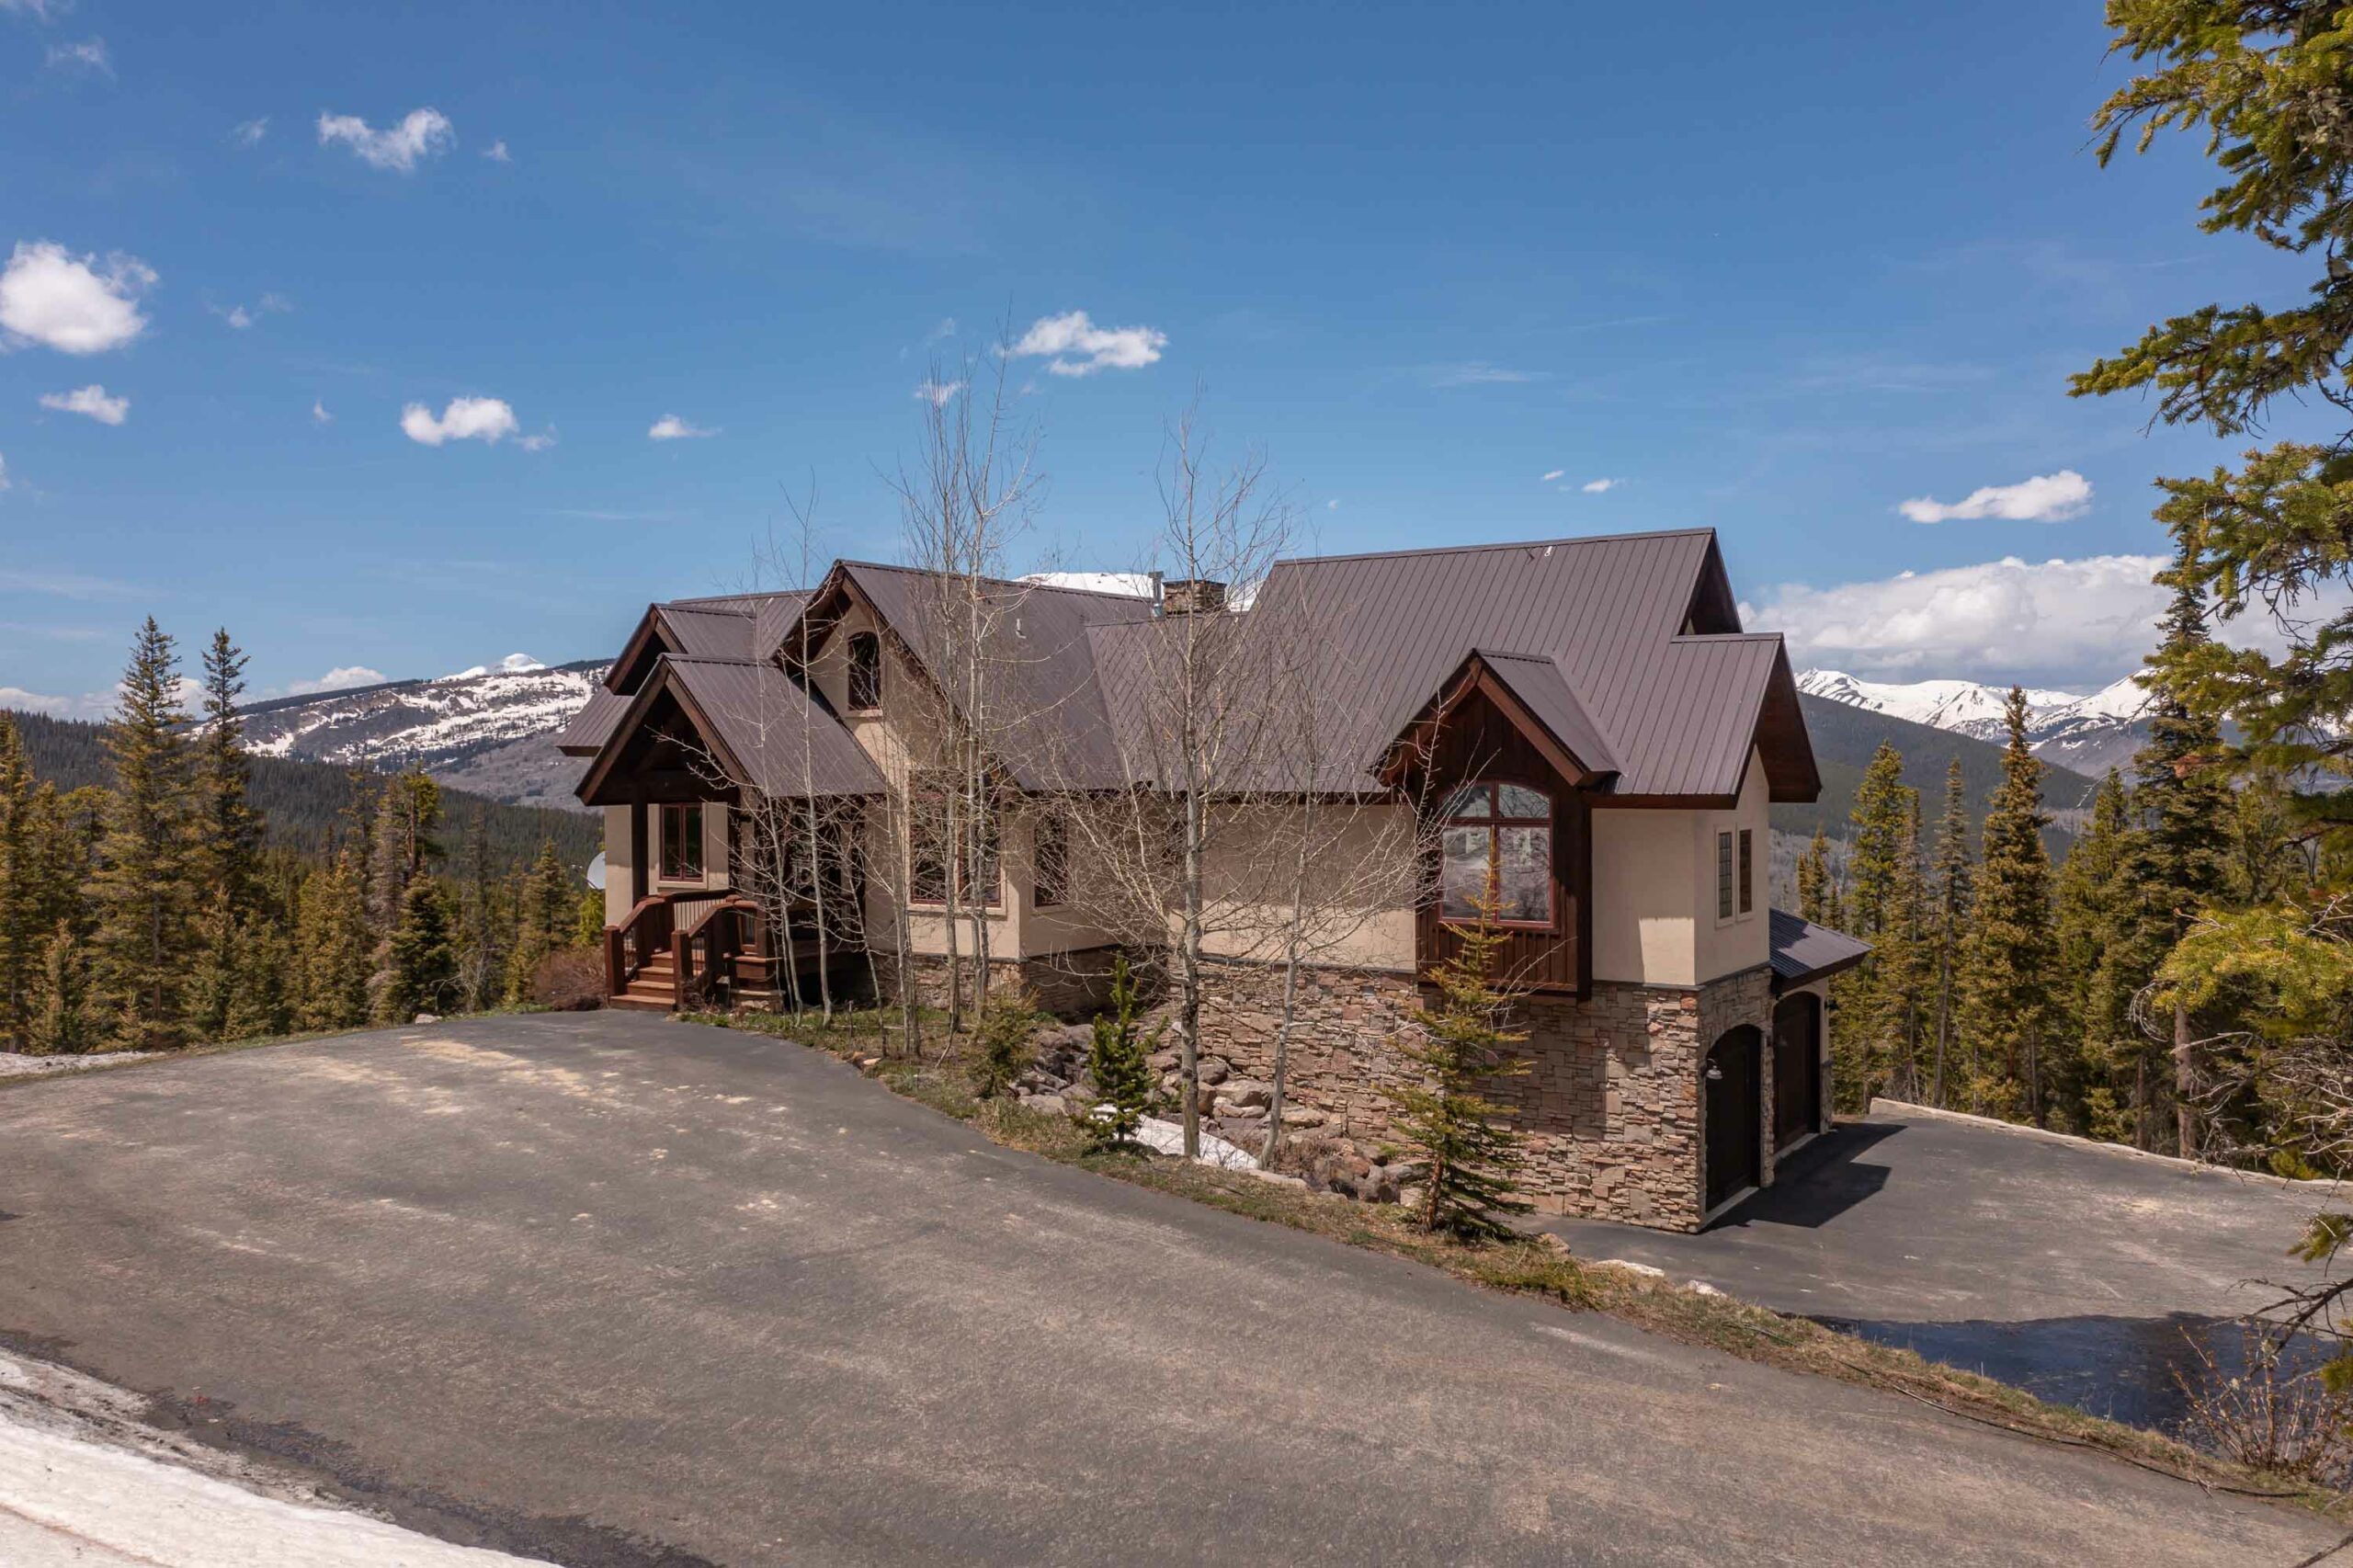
865	671
1506	828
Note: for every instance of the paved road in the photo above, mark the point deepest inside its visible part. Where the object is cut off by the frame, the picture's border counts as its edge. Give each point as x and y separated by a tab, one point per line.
2078	1270
616	1290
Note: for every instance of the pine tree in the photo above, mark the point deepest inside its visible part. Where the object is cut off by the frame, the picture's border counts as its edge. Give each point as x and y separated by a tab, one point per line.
217	962
483	930
332	948
2008	958
144	892
400	847
1905	958
1817	892
2113	928
2189	813
423	968
228	829
1470	1155
546	920
23	929
262	1005
1118	1063
1871	999
63	1023
1952	888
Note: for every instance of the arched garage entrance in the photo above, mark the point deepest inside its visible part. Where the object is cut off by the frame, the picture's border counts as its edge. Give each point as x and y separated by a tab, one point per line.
1797	1068
1734	1108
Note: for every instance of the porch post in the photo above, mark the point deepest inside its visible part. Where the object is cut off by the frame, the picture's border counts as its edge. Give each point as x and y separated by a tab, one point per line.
640	882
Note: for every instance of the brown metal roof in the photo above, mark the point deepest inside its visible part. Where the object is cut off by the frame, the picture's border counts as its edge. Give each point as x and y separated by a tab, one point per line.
1627	646
1802	950
1678	711
1537	681
593	725
778	741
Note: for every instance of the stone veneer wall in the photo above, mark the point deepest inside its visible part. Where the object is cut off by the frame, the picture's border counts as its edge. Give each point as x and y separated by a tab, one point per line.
1069	985
1612	1104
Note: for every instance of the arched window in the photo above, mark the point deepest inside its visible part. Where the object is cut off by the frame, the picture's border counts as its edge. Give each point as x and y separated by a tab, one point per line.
865	671
1509	829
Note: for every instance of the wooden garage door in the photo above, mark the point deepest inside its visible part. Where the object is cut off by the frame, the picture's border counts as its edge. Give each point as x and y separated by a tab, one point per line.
1797	1067
1735	1112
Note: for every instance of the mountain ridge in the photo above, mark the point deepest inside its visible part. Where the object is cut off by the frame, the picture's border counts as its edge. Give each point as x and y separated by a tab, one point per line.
2087	732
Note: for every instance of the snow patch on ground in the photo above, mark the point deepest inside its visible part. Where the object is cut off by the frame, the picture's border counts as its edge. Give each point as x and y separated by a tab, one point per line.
80	1482
1167	1137
17	1064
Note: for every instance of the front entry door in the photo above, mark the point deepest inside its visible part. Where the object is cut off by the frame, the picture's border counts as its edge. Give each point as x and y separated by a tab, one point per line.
1797	1068
1734	1111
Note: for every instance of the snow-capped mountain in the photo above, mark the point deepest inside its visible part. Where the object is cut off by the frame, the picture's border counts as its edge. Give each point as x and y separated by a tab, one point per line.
490	729
2086	733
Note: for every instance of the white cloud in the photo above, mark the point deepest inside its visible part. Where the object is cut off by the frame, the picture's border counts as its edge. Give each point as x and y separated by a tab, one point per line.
91	401
24	701
670	427
1072	344
1600	486
485	419
239	317
319	414
90	54
341	679
248	134
2054	621
1479	373
947	328
425	134
2046	498
4	473
50	296
937	393
1333	504
539	443
1552	476
498	153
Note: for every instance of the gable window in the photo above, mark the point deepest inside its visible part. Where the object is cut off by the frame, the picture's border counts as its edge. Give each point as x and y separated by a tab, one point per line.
1504	831
1747	872
865	671
682	842
1052	868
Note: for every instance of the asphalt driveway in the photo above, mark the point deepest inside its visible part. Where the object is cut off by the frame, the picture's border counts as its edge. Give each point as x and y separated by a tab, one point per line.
615	1290
2083	1272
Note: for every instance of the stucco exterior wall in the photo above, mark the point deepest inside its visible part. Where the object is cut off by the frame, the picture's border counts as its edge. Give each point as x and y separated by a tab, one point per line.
618	867
1730	947
1360	885
1643	915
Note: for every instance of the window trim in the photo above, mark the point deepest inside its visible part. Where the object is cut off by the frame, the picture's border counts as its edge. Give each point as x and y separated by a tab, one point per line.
1049	829
993	903
1747	872
850	674
1495	823
663	870
1725	888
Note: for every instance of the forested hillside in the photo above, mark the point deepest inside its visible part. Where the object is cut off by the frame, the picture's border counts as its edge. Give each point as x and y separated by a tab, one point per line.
302	803
1845	738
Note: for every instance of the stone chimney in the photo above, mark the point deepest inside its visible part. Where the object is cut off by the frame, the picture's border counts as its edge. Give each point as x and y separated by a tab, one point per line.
1189	596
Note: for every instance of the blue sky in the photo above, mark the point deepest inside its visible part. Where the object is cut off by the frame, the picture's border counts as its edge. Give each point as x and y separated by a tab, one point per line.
1778	270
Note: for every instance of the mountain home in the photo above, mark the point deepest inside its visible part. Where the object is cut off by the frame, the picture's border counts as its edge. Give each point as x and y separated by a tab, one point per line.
879	781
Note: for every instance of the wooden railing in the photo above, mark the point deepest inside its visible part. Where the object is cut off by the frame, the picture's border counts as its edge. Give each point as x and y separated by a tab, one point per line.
707	950
717	941
644	931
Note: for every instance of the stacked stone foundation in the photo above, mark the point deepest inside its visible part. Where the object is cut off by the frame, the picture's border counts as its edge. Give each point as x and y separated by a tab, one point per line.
1612	1105
1069	985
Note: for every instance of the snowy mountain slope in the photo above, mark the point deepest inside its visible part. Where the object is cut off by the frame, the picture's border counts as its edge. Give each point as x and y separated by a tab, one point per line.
2086	733
490	729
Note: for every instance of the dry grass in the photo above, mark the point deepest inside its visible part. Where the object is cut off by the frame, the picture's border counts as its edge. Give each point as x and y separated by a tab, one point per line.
1544	1268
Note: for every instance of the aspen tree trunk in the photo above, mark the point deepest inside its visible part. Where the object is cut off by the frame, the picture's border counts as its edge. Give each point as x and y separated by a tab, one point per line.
2185	1084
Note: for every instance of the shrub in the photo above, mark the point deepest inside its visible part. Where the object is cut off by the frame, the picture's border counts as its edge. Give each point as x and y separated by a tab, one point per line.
571	980
1005	1033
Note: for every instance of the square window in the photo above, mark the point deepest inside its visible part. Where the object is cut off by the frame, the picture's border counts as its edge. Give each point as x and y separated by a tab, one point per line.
681	843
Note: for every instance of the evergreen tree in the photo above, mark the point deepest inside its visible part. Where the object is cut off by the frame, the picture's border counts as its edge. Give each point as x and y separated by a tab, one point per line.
1470	1155
423	968
1817	897
23	929
1905	958
63	1023
2113	928
144	891
588	918
2007	957
228	829
1874	997
2189	811
1953	882
400	847
547	918
262	1005
482	931
1118	1063
213	973
332	948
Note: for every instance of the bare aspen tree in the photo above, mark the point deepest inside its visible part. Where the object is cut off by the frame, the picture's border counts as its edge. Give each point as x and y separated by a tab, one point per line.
970	493
1195	738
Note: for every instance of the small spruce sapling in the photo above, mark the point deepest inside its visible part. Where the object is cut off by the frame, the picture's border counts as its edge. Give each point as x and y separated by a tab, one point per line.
1119	1062
1009	1020
1471	1155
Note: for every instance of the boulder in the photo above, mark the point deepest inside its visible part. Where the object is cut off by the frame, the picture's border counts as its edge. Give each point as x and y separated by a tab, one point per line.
1303	1116
1246	1093
425	1019
1165	1061
1215	1070
1051	1105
